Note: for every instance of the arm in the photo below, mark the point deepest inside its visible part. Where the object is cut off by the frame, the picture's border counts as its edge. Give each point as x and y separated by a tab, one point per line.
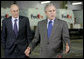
33	43
29	34
66	37
3	34
35	40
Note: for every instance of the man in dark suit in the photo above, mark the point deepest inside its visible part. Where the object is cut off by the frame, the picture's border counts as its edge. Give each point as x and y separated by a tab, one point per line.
16	34
52	32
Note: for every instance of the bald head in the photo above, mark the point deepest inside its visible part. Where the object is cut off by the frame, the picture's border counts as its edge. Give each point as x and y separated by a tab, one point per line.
13	6
14	9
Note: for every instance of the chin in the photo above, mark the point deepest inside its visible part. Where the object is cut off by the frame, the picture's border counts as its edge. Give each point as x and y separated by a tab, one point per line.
52	18
16	16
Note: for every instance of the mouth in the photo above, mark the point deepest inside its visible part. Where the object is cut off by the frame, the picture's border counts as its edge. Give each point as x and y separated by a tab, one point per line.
52	16
16	16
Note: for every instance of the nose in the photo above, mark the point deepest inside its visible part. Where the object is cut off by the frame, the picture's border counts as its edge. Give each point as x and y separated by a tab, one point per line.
52	12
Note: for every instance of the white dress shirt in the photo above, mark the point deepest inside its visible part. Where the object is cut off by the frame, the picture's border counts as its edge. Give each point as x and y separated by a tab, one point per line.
49	21
14	22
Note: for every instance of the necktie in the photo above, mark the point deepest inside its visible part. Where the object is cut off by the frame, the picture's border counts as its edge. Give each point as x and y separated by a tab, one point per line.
15	27
49	28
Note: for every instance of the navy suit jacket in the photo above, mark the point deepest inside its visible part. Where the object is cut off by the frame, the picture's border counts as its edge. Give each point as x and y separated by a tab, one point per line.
10	42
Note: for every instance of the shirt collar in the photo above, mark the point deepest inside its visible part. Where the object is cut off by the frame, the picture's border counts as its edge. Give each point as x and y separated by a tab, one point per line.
51	20
15	18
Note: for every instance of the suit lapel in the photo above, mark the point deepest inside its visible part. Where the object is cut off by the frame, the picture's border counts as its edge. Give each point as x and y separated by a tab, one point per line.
45	29
19	24
10	25
54	28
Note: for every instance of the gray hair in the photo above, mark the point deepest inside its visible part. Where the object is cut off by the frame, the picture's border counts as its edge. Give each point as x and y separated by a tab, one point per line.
47	5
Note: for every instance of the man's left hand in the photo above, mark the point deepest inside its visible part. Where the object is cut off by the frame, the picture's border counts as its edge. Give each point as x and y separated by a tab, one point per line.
67	49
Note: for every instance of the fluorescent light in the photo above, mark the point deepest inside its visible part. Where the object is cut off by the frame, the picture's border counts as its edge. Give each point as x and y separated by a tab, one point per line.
45	2
76	3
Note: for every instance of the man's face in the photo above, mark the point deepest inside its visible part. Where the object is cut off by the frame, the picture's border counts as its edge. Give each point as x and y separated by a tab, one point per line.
15	11
50	12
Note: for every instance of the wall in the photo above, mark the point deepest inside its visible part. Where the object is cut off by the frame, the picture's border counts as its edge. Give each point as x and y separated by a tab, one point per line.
35	4
6	4
74	7
25	5
78	14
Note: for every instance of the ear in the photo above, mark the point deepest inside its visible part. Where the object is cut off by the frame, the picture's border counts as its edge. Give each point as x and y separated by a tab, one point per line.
10	11
45	12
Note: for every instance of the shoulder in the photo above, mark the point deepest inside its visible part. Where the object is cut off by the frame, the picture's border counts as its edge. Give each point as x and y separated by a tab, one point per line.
6	19
43	21
23	17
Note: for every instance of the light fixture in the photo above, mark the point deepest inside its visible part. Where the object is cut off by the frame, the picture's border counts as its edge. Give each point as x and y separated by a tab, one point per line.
76	3
45	2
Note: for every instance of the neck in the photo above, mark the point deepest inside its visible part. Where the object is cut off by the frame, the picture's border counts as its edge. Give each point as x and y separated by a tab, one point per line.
15	17
51	19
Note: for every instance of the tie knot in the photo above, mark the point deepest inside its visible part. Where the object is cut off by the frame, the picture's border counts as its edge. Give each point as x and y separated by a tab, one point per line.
50	21
15	20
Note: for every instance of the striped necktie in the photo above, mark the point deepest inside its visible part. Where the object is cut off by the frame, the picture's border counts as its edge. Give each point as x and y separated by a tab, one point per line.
15	27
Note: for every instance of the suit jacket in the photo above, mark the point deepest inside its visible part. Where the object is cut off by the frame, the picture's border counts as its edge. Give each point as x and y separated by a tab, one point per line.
49	48
11	43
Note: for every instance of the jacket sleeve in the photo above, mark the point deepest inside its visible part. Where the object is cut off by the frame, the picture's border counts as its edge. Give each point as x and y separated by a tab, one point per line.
36	39
65	34
3	34
29	32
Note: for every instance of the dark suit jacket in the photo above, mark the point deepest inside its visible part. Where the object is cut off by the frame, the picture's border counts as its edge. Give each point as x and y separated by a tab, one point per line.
15	45
49	48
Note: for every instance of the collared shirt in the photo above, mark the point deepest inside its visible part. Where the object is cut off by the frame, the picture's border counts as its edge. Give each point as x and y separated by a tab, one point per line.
16	22
49	21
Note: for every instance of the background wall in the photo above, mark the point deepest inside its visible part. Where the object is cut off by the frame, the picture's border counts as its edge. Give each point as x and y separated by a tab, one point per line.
6	4
35	4
25	5
79	16
76	45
